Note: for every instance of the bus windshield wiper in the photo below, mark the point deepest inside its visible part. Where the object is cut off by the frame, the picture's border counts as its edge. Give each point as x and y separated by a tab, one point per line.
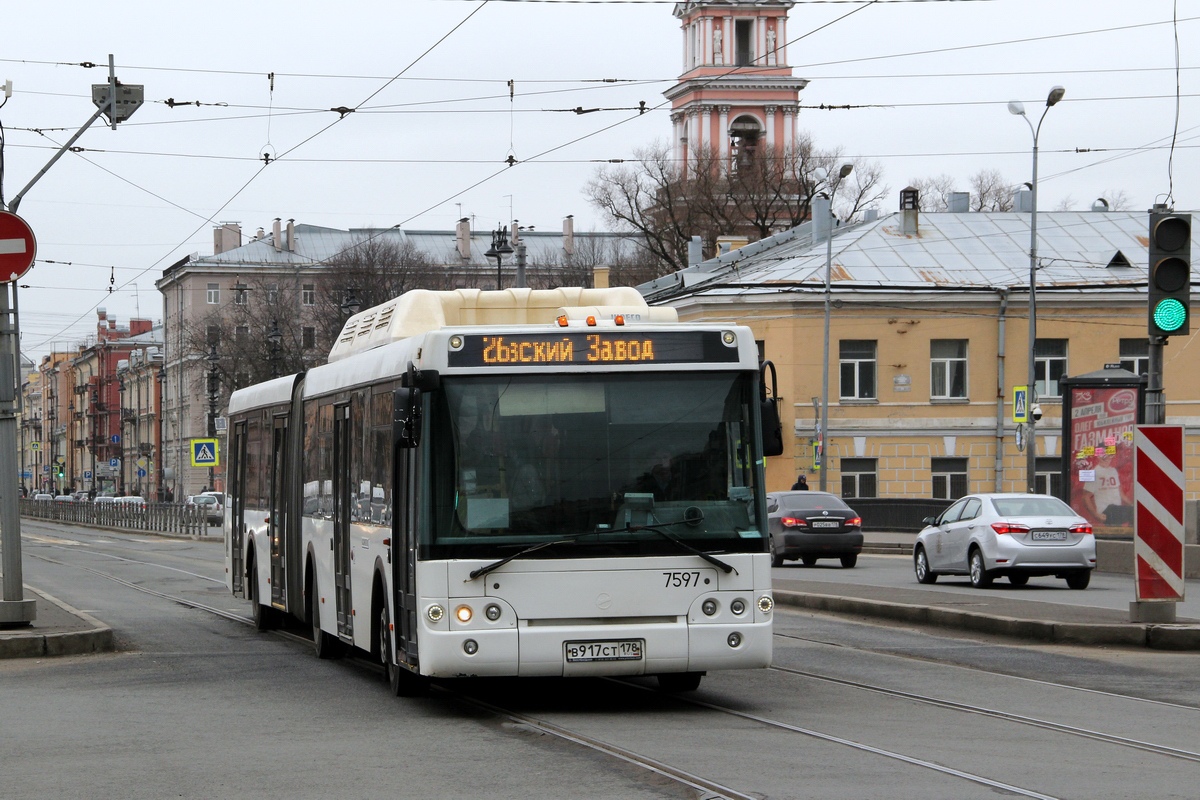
682	545
484	570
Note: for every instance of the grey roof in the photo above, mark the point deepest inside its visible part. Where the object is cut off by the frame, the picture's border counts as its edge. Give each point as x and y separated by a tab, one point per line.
315	245
951	250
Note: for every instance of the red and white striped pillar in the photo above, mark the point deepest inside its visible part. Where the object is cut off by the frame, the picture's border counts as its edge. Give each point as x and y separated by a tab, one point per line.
1158	515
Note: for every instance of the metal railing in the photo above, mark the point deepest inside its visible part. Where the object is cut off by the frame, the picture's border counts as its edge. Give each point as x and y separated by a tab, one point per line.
174	518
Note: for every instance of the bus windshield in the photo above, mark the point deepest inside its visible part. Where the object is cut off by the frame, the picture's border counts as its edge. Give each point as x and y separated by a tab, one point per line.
520	458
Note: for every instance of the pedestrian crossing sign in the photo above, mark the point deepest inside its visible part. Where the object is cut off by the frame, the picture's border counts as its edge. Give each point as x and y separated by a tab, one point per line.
205	453
1020	404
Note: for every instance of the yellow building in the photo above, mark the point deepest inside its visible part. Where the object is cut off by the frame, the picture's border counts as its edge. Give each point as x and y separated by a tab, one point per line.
929	336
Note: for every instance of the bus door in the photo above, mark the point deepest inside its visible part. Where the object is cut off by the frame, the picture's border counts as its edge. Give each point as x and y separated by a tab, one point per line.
237	499
341	518
277	511
404	536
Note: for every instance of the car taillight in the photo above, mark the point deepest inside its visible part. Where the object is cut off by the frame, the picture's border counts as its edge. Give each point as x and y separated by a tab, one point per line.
793	522
854	522
1009	527
1083	527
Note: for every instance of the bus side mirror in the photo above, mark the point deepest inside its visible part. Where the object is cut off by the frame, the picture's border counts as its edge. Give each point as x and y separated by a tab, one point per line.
406	417
772	428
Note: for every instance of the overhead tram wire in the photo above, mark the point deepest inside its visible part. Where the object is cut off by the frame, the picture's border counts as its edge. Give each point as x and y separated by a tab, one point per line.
264	166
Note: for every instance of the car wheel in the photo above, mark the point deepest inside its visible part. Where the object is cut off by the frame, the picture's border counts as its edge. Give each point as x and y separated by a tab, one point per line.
1079	580
921	565
849	561
1017	579
776	558
680	681
980	577
808	561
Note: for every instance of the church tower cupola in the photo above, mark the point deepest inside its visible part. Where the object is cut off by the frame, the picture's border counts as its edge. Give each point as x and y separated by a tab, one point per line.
736	94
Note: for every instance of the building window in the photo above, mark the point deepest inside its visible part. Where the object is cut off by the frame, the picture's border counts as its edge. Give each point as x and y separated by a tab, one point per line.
743	32
1048	475
1049	366
212	335
214	294
241	335
308	294
949	478
857	369
1135	356
948	368
858	477
239	293
272	293
308	337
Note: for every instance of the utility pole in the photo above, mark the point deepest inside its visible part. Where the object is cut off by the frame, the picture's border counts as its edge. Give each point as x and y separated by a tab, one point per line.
117	102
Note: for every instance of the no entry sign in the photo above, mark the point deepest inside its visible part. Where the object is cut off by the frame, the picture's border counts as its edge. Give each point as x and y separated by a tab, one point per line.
17	247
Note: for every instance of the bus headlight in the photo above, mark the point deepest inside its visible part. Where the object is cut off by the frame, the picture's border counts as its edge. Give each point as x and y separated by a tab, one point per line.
463	614
492	612
709	607
765	604
738	606
435	613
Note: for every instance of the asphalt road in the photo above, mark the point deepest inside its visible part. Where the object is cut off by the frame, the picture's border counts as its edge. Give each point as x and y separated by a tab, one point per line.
198	706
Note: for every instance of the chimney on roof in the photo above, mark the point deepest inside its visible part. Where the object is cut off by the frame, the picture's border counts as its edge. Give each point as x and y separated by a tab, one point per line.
276	235
462	238
600	278
959	202
261	234
1100	204
291	236
695	251
569	235
227	236
871	215
1023	200
139	326
910	208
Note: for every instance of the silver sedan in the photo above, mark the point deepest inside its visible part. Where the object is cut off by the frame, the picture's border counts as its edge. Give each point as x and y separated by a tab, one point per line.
1019	536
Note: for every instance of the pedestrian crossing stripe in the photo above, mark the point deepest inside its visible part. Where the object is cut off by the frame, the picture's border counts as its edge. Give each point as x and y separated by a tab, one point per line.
205	453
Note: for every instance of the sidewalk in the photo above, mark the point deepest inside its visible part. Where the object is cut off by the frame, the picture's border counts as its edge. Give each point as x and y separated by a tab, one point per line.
58	630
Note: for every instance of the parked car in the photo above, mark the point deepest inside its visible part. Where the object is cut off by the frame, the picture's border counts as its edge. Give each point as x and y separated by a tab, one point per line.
210	505
1018	536
102	499
219	497
64	498
131	501
43	497
812	525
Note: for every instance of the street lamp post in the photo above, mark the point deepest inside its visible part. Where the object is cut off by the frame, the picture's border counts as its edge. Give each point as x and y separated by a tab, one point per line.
499	249
274	337
824	209
1017	108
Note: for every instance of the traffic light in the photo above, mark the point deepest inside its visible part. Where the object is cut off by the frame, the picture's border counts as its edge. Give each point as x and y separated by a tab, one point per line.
60	470
1170	286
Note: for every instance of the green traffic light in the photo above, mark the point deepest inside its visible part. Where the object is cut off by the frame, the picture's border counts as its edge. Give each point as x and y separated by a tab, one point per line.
1170	315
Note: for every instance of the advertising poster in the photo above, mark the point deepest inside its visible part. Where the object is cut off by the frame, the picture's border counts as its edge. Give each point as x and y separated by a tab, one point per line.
1100	472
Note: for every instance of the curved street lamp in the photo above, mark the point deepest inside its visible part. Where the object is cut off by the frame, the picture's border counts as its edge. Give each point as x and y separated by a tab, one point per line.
499	249
825	208
1017	108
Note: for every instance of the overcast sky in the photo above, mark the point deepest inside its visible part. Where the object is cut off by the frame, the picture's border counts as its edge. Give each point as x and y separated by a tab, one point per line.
435	121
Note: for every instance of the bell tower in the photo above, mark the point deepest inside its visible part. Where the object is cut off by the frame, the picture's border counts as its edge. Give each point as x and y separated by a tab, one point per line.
736	92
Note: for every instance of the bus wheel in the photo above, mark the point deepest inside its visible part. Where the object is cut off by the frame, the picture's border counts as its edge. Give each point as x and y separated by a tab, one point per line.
263	615
680	681
324	645
401	682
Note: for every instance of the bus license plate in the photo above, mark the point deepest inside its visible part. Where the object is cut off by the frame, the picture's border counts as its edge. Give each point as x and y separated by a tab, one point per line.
1049	536
612	650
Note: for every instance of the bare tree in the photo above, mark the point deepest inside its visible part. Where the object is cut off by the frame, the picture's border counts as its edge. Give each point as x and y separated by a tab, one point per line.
371	271
933	194
990	191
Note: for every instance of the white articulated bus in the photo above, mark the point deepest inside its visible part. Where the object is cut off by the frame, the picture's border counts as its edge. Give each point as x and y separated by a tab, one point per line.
520	483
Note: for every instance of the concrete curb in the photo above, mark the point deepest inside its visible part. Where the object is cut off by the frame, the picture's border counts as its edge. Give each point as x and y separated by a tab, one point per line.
28	643
1161	637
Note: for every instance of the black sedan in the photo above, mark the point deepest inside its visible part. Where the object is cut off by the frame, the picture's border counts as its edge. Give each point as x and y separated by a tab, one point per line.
812	525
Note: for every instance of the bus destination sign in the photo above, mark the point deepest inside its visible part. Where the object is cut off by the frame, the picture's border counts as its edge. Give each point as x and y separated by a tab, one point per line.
592	348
